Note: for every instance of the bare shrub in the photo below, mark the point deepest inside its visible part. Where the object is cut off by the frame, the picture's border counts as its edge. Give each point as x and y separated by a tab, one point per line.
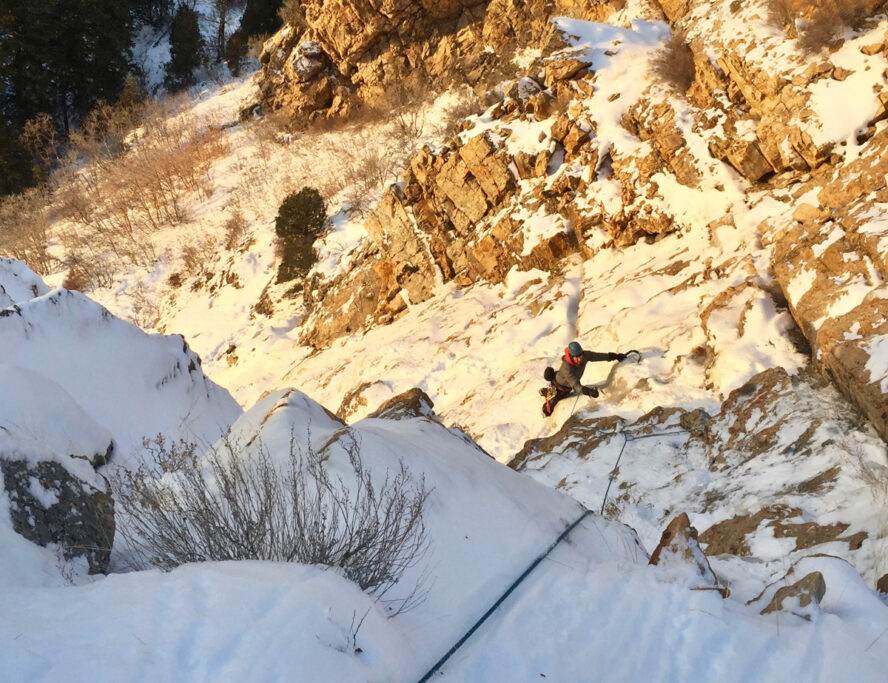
674	64
197	253
132	184
235	227
24	229
409	127
255	43
228	505
78	278
292	14
821	29
146	310
818	25
467	104
40	136
782	14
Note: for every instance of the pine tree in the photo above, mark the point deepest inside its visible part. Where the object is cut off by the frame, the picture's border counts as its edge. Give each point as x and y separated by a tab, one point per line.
185	48
260	18
62	56
16	171
153	12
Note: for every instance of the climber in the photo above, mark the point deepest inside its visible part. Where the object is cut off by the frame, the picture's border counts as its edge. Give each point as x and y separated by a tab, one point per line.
567	379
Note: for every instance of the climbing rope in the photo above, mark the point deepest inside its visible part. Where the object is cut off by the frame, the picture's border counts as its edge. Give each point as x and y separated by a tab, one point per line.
626	439
503	597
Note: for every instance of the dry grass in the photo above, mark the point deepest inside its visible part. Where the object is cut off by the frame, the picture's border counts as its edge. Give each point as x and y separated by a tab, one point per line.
818	25
24	230
118	189
674	64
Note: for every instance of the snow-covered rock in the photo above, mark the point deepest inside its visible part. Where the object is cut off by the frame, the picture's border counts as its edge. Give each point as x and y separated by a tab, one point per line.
87	367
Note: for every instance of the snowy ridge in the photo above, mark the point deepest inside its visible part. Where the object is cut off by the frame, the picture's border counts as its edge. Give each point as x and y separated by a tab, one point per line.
132	384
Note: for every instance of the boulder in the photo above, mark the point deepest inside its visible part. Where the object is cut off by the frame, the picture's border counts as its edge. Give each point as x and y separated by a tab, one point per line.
412	403
564	68
882	584
50	505
679	547
801	598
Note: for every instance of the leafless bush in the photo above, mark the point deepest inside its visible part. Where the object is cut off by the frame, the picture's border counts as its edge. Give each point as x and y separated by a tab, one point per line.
467	104
255	43
131	185
674	64
235	227
40	136
24	229
782	14
197	253
817	25
409	127
229	505
146	310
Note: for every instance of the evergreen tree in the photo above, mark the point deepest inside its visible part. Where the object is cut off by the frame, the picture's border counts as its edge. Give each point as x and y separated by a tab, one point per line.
153	12
16	171
62	56
260	18
185	47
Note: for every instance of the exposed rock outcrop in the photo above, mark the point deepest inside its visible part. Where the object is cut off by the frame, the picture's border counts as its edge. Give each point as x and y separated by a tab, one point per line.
412	403
801	598
678	547
487	201
50	505
352	53
792	425
829	264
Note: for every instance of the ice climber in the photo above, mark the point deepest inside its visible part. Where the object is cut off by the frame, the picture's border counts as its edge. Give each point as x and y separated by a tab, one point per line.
567	379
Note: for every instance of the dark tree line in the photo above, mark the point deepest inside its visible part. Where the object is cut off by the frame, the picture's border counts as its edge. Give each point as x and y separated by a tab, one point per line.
62	57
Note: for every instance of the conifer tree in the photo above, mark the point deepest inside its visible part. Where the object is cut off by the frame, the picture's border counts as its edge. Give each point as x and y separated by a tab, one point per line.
16	170
62	56
260	17
185	49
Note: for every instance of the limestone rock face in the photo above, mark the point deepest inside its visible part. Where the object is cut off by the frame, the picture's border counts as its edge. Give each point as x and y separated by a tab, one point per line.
831	268
445	222
366	49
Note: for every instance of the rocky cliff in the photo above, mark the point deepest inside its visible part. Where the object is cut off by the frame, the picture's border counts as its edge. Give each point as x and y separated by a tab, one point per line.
339	56
586	152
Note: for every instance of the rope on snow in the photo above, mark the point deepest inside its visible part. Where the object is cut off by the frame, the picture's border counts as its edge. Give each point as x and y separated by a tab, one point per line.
503	597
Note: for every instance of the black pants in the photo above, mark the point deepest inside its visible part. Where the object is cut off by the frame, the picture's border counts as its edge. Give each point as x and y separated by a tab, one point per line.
555	393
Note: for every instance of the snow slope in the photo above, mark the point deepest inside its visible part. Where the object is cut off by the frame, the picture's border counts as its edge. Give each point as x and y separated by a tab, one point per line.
593	609
69	362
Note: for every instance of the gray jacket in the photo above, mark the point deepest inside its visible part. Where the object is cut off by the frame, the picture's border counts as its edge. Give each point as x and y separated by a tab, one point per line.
569	375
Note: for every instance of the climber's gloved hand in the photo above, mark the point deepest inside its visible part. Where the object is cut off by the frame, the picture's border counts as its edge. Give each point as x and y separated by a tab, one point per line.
590	391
